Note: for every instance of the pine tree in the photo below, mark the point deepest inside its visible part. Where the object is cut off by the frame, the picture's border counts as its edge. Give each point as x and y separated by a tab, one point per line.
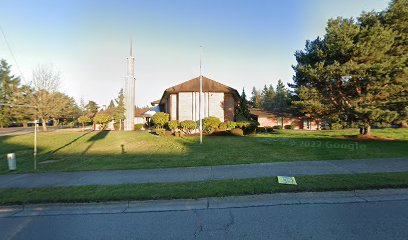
119	114
268	96
91	109
9	85
359	67
256	99
281	103
242	111
111	104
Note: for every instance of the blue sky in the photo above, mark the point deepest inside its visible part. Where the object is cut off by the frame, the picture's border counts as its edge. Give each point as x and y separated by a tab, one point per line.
246	43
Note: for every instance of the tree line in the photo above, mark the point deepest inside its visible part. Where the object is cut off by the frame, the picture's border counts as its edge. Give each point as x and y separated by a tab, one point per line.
42	99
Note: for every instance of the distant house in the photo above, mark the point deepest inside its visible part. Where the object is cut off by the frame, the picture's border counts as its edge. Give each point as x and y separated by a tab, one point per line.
144	115
181	102
270	119
110	125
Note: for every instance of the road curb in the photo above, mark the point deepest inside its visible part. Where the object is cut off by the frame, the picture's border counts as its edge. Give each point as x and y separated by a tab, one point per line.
275	199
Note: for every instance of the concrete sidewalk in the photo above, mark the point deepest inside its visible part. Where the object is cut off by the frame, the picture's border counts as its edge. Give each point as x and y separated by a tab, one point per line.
193	174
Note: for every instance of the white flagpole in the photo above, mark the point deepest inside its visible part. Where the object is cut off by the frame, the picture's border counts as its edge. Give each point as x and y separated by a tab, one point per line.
199	99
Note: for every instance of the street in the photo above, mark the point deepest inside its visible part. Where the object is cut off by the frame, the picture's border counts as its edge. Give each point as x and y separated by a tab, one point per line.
337	217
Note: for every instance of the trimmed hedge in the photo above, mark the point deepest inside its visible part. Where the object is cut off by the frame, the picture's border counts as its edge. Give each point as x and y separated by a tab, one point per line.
237	132
160	119
160	131
139	126
188	126
290	126
231	125
223	126
249	127
210	124
173	125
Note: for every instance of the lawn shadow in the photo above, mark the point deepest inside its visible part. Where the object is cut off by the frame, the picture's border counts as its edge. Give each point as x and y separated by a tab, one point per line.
140	150
99	136
69	143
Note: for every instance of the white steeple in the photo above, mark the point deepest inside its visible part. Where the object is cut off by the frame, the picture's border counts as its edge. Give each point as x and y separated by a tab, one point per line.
130	92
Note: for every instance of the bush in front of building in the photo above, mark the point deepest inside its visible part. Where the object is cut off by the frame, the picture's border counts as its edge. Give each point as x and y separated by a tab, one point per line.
173	125
237	132
223	126
188	126
139	126
290	126
160	131
160	119
249	127
210	124
231	125
278	127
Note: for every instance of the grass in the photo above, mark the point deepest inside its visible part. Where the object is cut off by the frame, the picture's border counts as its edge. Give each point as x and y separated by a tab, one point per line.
81	151
195	190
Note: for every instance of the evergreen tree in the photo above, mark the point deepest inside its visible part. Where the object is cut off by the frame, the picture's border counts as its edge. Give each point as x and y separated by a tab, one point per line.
268	97
111	104
8	88
91	109
242	111
256	98
281	103
359	67
119	114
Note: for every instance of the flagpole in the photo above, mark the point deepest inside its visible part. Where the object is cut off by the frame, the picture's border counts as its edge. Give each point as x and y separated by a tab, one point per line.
199	99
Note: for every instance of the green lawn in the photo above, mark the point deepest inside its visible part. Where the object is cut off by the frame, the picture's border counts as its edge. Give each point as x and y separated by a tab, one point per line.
202	189
77	151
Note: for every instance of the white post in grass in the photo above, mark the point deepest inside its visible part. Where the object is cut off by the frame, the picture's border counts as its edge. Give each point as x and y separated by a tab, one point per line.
199	99
35	144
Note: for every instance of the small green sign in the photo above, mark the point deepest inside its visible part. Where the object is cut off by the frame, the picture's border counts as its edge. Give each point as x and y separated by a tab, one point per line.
287	180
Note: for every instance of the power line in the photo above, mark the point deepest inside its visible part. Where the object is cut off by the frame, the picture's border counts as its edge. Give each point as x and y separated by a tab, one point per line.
12	54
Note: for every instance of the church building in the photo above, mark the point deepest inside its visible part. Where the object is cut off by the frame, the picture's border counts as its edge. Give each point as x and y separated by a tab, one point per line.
181	102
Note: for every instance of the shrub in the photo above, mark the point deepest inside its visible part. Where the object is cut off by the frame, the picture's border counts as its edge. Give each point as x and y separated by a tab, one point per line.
336	126
139	126
261	129
279	127
243	124
269	129
290	126
223	126
160	119
210	124
188	126
160	131
84	120
173	125
249	127
231	125
102	119
325	128
237	132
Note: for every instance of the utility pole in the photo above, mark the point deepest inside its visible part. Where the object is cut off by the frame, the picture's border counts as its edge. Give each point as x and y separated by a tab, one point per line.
199	99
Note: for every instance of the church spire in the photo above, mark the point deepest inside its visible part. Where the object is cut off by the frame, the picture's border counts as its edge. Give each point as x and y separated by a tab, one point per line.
131	50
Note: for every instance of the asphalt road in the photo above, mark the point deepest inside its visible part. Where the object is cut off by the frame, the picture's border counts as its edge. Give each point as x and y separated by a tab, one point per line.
335	219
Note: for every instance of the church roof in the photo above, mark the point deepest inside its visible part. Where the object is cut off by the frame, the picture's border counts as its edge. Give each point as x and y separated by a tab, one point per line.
193	85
